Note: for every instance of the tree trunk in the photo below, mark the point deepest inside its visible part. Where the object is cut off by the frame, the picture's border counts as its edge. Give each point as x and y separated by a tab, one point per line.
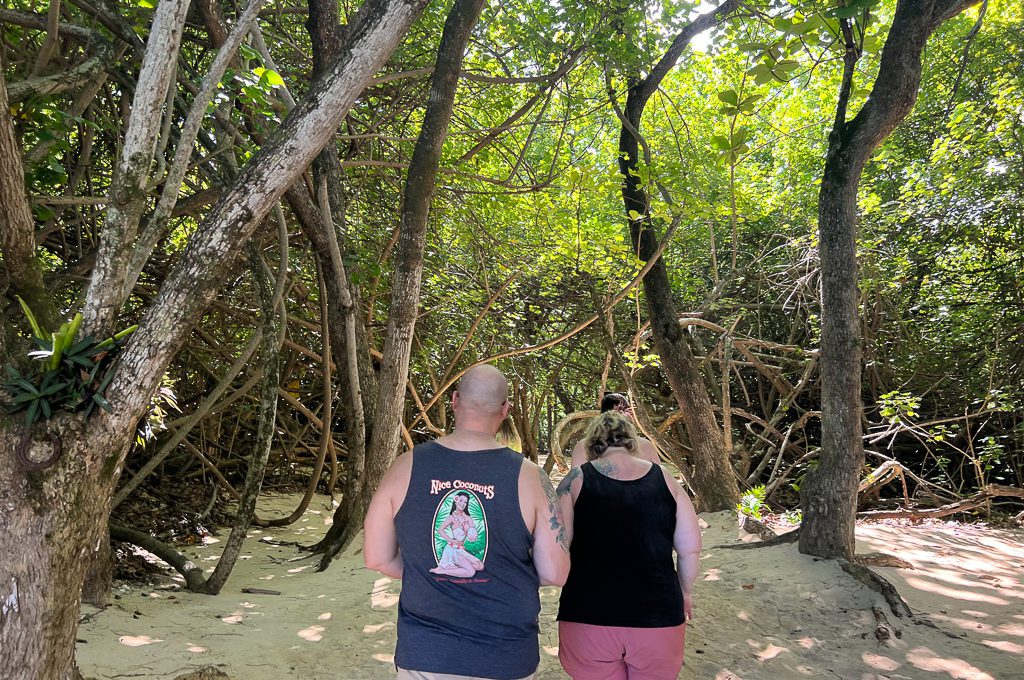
713	479
405	292
53	521
272	337
19	267
99	575
829	494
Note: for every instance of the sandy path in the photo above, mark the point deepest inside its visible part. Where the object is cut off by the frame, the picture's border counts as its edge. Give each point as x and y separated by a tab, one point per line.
767	613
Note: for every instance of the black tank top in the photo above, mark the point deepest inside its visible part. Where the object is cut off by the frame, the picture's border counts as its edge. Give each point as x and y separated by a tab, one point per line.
622	570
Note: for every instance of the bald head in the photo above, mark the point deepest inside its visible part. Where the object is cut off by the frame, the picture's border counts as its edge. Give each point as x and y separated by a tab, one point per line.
483	389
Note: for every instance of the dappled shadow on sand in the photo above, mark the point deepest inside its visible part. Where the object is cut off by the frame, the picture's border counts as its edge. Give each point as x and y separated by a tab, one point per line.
768	613
775	614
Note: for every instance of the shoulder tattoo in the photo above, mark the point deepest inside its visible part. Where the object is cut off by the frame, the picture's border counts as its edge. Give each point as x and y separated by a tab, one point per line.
565	486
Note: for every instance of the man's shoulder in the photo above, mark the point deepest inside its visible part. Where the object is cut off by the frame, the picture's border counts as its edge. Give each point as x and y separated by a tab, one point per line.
400	470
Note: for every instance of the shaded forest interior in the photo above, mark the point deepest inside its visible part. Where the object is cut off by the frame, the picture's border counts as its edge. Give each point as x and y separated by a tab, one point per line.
261	261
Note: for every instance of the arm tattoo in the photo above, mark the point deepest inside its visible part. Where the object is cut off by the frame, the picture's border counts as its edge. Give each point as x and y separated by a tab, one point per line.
555	513
565	486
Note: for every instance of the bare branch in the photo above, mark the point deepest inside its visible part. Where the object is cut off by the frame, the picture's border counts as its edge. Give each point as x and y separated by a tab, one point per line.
65	81
128	189
186	141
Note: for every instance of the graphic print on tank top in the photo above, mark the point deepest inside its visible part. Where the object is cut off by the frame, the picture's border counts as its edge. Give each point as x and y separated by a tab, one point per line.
460	535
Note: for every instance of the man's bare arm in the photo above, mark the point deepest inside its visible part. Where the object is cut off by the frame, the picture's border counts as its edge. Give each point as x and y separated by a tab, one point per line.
550	550
380	539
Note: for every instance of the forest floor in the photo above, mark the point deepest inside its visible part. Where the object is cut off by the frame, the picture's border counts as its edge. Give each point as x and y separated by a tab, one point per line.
768	613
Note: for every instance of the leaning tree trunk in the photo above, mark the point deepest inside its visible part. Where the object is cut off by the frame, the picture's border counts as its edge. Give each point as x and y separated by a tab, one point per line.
713	479
830	492
53	517
273	336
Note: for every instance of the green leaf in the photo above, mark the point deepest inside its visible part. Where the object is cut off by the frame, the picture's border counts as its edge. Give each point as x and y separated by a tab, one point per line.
762	73
748	103
729	97
36	328
249	53
103	403
26	385
273	78
78	347
720	142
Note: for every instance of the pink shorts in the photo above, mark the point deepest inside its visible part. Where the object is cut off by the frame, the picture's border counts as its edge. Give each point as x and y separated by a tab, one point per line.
615	653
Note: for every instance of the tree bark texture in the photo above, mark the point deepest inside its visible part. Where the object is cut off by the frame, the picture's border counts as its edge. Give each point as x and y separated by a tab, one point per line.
713	479
53	521
17	228
131	175
830	492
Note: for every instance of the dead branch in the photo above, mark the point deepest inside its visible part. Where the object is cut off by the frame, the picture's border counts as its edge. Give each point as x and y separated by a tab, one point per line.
979	499
192	574
781	539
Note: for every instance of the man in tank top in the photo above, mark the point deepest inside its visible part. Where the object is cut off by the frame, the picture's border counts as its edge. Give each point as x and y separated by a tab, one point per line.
472	529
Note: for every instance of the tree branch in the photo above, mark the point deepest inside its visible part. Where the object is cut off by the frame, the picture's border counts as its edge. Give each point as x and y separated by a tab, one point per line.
17	226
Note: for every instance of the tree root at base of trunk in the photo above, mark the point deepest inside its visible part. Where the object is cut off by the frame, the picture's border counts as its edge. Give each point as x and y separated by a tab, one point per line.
897	604
781	539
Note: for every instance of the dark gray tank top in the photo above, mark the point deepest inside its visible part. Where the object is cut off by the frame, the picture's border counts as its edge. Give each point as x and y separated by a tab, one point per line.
469	602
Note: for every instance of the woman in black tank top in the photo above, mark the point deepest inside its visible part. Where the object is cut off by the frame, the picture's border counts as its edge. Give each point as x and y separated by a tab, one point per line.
626	516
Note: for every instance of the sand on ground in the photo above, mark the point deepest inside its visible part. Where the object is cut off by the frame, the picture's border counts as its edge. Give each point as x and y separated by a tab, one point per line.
768	613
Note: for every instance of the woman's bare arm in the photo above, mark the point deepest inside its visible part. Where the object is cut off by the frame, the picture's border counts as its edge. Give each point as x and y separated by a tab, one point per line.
686	542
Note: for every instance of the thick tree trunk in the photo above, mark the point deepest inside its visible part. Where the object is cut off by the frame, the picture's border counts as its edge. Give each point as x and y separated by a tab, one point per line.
713	479
830	492
405	292
53	521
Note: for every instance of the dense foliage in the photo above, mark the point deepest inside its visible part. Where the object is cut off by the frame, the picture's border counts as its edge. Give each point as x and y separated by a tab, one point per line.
527	237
